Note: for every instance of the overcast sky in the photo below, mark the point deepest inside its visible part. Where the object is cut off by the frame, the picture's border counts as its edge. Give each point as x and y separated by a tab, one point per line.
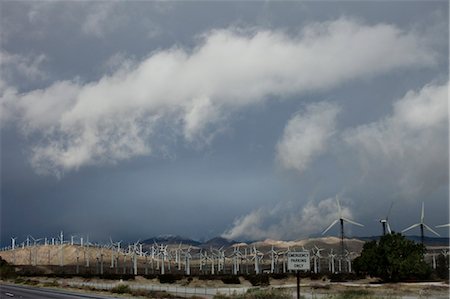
241	119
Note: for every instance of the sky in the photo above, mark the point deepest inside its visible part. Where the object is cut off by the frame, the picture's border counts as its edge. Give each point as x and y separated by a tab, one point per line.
242	119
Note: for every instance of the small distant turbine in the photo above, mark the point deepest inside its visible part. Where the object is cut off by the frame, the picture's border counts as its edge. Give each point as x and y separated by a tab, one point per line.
13	242
422	225
341	219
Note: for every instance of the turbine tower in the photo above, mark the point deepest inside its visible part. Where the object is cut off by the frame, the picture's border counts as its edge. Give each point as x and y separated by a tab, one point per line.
341	219
385	222
422	225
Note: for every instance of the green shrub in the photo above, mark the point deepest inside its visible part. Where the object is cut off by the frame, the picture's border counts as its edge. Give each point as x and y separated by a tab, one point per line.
6	270
350	294
231	279
279	275
31	282
121	289
258	279
169	278
393	258
51	284
19	280
259	294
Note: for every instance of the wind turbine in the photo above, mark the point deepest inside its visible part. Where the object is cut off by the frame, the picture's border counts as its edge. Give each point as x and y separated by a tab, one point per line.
422	225
257	257
237	258
331	257
385	222
187	260
13	247
273	259
341	219
316	258
13	242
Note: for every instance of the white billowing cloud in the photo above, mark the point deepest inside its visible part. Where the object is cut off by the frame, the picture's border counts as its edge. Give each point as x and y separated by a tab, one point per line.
248	226
305	136
411	144
193	91
110	140
286	221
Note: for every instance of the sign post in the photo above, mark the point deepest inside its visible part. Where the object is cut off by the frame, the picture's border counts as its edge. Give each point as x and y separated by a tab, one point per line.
299	260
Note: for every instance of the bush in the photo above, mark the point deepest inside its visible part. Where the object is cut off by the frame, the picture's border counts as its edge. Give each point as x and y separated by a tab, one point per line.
258	279
354	294
314	276
343	277
209	277
51	284
231	279
442	267
19	280
31	282
6	270
169	278
279	275
121	289
259	294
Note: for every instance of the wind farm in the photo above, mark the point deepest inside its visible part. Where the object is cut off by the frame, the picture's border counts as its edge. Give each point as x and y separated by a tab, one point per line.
168	255
175	259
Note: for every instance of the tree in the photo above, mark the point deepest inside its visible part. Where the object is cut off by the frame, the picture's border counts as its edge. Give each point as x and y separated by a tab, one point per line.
393	258
6	270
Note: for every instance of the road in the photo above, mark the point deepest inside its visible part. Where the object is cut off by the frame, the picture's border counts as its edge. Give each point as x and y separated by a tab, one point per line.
10	291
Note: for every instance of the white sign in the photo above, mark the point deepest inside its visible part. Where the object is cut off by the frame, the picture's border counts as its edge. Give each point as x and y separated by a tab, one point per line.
298	260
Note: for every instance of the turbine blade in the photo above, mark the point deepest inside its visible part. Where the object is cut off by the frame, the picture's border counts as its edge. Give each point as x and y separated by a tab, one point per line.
339	207
411	227
431	230
389	211
388	227
352	222
422	215
331	225
443	225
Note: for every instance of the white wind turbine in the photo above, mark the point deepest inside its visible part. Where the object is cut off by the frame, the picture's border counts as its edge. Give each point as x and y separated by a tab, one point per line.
422	225
211	259
13	242
203	260
316	258
331	256
178	256
385	222
13	247
257	257
273	259
285	254
237	257
348	258
187	260
341	219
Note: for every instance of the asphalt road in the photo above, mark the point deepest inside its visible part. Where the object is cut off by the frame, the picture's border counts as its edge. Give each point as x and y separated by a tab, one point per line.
9	291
